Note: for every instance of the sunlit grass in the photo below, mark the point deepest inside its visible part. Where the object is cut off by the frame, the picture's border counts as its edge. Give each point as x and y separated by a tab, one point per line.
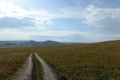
100	61
10	61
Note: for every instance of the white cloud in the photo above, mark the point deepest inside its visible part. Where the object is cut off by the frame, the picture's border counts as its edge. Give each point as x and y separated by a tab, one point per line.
68	36
68	12
17	34
106	18
13	34
10	10
39	17
102	18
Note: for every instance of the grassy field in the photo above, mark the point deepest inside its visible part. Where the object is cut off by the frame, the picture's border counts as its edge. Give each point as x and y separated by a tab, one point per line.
10	61
99	61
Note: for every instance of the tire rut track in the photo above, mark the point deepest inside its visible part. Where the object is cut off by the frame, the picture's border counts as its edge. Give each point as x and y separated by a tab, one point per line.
25	73
50	73
28	71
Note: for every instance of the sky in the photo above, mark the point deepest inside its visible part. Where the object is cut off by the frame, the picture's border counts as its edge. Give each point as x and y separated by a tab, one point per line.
60	20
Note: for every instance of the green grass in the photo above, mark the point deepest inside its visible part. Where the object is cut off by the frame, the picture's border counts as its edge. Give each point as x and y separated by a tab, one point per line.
99	61
38	68
10	61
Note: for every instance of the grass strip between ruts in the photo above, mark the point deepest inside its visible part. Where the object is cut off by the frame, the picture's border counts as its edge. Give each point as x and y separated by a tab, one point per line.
37	71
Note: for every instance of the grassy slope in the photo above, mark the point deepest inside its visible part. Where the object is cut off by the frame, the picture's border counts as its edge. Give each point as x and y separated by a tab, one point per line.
98	61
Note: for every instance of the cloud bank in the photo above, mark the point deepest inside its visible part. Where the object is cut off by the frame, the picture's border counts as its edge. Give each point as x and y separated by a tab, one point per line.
104	18
17	23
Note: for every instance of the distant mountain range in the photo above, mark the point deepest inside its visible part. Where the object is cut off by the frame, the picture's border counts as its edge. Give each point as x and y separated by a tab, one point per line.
9	44
15	44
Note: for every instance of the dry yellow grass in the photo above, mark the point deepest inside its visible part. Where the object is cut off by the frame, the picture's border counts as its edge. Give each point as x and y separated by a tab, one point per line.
10	61
99	61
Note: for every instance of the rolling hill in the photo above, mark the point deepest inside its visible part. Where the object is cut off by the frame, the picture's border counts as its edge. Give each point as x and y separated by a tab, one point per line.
10	44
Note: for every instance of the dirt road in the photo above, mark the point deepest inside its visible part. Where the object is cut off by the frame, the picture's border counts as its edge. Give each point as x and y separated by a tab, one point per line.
25	73
49	72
